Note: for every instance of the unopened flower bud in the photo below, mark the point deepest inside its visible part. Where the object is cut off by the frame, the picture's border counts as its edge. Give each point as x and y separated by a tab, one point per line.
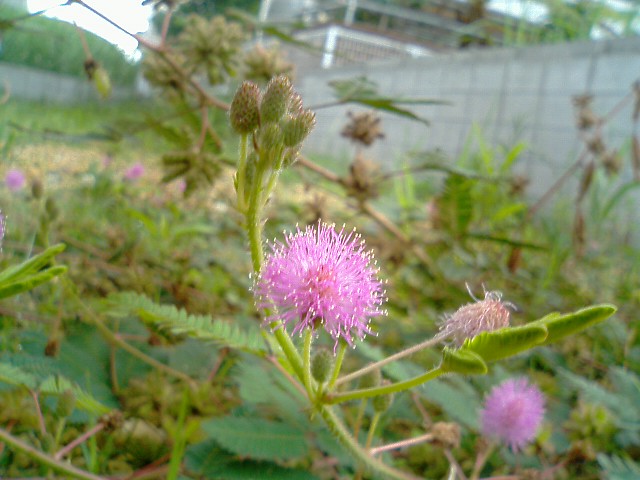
371	379
51	208
276	99
244	112
270	136
37	190
290	157
381	403
298	127
66	404
321	365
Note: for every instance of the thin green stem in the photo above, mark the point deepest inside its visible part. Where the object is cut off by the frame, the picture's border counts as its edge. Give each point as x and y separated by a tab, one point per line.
384	389
242	172
372	429
306	359
397	356
254	233
359	417
44	459
340	432
338	364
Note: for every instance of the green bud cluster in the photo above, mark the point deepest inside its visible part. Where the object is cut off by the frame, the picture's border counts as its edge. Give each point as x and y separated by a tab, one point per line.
277	124
277	117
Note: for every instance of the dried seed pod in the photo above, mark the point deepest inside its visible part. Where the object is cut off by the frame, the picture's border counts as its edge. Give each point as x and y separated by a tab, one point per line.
579	235
635	158
596	145
587	178
515	259
611	162
636	106
446	434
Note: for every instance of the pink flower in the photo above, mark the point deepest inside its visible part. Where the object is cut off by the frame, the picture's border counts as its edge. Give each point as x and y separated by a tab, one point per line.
474	318
513	412
321	277
15	179
134	172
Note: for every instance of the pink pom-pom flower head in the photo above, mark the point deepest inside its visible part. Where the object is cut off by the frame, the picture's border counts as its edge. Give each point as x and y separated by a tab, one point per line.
321	277
134	172
512	413
15	179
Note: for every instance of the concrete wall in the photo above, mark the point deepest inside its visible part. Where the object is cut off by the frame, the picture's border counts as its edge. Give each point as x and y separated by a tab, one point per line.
38	85
512	93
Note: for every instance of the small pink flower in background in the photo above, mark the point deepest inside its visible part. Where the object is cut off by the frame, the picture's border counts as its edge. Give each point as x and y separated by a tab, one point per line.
474	318
321	277
15	179
107	160
512	413
134	172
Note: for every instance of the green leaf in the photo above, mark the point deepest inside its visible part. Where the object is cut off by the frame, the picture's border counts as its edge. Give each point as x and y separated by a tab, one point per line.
57	385
14	375
365	92
505	342
257	438
462	361
619	468
178	321
267	387
34	264
618	196
208	460
560	326
456	397
9	289
456	204
52	385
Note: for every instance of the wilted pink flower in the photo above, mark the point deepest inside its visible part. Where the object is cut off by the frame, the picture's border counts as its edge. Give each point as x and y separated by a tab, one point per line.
134	172
15	179
321	277
473	318
513	412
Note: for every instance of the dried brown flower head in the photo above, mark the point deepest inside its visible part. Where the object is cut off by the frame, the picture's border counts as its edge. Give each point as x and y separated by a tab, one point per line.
363	128
362	181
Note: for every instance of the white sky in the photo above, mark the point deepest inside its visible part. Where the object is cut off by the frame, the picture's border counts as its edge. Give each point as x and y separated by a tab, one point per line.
130	14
